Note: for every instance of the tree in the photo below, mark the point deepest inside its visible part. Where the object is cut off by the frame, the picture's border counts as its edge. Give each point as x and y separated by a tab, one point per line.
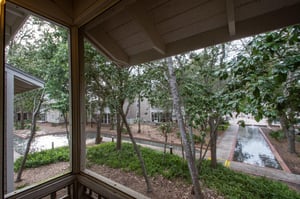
97	74
137	151
165	129
155	84
206	100
266	78
126	88
36	110
112	86
54	51
177	108
45	57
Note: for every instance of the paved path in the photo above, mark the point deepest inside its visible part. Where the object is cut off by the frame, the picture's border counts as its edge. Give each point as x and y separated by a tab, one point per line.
226	143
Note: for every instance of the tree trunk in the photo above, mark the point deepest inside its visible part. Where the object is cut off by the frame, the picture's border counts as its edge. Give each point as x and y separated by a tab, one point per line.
192	142
213	124
139	115
22	119
188	152
202	155
289	132
36	111
166	141
182	148
98	131
136	148
112	122
119	132
66	126
213	148
291	139
287	116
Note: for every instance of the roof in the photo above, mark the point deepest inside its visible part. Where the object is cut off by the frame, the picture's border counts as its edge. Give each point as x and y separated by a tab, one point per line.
23	81
135	31
15	18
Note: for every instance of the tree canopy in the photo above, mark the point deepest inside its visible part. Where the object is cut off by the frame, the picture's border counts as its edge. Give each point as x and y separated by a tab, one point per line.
266	78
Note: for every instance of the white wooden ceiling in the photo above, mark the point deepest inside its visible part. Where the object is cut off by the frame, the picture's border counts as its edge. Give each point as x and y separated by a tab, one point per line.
135	31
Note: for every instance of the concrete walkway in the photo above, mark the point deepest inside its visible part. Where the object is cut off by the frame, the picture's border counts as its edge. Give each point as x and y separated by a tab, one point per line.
226	143
225	149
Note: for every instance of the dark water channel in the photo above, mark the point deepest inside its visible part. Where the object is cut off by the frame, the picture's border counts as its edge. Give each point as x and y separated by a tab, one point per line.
252	148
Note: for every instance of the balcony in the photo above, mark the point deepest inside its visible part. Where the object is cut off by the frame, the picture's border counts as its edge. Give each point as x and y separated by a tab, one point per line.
128	32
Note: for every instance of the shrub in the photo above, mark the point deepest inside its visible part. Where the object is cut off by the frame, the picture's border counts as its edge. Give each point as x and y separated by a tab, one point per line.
223	125
277	135
199	138
225	181
232	184
36	159
156	162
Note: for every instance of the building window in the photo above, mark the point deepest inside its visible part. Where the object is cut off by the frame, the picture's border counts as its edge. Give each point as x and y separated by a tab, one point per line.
106	118
158	117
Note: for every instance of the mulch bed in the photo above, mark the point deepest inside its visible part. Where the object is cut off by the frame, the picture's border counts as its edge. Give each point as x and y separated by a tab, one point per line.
291	160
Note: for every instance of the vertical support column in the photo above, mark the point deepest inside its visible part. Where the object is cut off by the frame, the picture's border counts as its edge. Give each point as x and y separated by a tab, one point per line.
2	89
77	88
77	102
8	134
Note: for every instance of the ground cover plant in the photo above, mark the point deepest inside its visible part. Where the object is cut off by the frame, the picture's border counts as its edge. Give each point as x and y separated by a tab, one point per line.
232	184
277	135
45	157
226	182
169	166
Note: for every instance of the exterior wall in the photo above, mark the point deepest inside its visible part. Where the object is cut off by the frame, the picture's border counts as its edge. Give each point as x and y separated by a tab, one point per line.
54	116
132	115
107	117
147	113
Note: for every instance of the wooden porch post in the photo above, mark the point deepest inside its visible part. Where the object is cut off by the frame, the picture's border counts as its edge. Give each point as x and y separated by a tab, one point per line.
77	102
2	79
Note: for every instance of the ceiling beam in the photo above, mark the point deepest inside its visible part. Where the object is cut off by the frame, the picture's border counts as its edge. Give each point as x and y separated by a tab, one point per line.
85	11
117	8
139	14
230	17
47	8
107	45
